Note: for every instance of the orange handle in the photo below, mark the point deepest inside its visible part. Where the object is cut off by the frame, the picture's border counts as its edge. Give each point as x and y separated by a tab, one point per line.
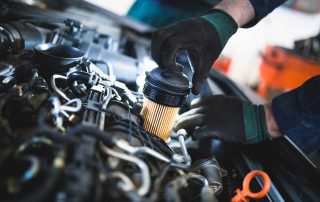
245	194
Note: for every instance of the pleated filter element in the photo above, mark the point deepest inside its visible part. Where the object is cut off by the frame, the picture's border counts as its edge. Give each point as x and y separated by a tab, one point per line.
165	92
158	119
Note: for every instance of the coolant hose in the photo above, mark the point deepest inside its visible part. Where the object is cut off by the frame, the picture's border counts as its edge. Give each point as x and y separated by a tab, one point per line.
78	76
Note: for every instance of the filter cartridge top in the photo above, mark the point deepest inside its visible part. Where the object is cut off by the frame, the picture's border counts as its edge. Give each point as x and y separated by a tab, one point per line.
165	87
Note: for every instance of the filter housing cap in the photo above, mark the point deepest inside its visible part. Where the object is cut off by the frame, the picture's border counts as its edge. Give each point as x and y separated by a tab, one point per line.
166	87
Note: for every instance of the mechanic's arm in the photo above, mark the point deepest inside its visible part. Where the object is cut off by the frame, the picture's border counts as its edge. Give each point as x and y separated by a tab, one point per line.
229	119
204	37
295	114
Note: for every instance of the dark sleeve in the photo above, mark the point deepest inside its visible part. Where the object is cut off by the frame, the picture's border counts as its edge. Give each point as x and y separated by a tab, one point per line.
297	114
263	8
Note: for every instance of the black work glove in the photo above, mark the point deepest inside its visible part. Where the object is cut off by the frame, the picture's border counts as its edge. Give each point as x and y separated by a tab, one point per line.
226	118
203	37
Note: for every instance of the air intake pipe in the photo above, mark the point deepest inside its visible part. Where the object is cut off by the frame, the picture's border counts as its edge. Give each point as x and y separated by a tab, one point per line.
16	36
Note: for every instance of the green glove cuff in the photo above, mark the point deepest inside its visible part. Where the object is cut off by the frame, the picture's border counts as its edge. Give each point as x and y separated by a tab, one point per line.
254	123
224	24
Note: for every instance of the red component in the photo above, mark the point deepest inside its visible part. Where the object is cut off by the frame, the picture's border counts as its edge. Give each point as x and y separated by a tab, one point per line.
282	70
222	64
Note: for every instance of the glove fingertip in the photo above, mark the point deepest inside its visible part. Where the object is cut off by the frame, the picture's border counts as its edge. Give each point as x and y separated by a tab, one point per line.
195	102
179	123
176	126
168	63
196	87
195	91
197	81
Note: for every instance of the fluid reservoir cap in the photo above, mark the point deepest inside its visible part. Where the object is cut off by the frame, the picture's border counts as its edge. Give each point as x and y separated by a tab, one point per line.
167	87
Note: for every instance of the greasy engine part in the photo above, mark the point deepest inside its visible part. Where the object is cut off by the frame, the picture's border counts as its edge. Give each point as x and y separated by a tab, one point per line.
70	131
85	77
19	109
123	124
165	92
23	173
211	170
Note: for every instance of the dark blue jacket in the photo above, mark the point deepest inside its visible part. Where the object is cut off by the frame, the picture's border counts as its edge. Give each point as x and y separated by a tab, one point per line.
263	8
298	114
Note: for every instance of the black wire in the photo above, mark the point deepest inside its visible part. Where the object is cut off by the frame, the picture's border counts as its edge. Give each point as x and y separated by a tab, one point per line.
130	121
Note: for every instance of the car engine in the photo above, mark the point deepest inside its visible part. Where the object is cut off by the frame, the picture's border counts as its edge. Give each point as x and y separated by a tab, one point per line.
71	128
72	77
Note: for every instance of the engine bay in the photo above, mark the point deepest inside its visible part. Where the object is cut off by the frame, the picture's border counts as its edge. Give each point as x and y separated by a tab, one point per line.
71	83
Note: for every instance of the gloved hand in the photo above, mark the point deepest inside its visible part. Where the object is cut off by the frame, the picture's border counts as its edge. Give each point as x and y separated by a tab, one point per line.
204	37
227	118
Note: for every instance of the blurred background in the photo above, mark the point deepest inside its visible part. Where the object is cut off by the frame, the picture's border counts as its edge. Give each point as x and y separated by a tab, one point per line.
276	55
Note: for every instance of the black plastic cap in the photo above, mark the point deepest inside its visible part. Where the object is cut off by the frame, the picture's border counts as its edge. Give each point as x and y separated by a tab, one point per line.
56	59
169	88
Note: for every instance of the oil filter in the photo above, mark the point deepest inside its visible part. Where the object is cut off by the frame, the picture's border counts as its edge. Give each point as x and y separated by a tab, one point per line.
165	92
